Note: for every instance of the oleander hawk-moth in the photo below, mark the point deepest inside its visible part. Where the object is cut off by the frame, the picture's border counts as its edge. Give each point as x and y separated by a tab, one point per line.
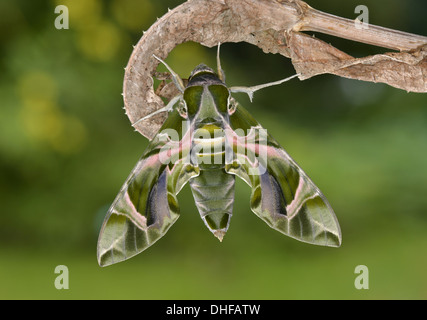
207	140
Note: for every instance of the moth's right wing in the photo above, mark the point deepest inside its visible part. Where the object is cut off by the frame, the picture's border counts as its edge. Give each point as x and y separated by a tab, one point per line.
282	194
146	206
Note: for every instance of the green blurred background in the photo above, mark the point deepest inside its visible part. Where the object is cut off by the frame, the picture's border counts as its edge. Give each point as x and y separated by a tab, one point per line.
66	147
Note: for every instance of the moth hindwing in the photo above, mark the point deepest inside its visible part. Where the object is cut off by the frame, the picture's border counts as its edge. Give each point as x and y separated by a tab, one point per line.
207	140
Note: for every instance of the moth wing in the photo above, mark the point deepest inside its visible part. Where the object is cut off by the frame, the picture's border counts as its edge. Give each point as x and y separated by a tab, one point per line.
146	206
282	194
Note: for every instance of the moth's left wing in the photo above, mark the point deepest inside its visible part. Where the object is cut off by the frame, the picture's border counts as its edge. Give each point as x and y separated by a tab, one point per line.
147	206
282	194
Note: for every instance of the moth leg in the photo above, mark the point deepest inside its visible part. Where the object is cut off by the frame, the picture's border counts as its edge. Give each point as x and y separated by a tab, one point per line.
175	77
251	90
221	73
168	107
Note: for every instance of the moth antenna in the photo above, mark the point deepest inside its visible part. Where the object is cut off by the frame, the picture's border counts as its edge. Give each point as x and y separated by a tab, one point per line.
175	77
168	107
251	90
221	73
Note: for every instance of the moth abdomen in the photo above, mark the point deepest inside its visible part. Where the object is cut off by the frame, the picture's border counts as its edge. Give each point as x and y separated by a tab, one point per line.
213	192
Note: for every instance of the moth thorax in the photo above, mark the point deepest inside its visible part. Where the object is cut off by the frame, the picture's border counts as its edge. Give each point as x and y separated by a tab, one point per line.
208	150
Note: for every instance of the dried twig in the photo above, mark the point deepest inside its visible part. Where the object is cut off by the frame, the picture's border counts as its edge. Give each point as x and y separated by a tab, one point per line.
274	26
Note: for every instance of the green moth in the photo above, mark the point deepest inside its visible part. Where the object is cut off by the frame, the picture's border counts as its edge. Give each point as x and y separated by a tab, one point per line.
207	140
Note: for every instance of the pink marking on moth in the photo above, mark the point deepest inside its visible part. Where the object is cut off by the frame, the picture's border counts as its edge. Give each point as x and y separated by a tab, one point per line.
173	151
253	147
301	196
138	219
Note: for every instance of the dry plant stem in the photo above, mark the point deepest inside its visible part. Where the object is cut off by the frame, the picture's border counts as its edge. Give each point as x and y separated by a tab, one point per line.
316	20
274	26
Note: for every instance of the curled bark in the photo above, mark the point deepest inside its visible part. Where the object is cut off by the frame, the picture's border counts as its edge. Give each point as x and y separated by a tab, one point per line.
274	26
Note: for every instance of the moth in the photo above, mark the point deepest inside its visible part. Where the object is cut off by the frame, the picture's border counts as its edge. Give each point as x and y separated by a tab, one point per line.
207	140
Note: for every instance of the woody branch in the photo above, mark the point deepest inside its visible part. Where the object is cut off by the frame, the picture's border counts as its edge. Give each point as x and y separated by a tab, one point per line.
274	26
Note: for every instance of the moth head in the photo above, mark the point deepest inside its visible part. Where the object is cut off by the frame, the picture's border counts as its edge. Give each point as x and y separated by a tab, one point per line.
201	68
206	96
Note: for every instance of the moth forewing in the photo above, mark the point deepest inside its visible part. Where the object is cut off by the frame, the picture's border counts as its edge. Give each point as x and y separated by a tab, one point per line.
170	152
146	206
282	194
256	150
